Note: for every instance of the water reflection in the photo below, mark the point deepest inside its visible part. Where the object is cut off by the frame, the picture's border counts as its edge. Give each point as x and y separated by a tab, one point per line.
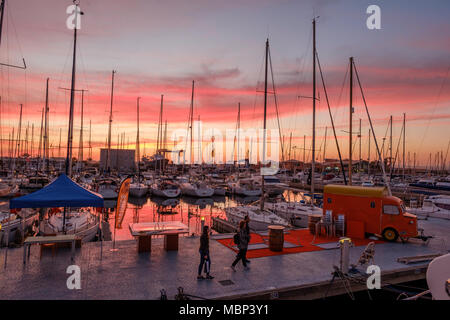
189	210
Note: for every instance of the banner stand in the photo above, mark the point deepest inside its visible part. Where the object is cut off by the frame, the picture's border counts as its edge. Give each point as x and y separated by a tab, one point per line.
121	208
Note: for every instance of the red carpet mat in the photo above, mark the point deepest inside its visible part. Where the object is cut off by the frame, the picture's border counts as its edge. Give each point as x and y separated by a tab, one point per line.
301	238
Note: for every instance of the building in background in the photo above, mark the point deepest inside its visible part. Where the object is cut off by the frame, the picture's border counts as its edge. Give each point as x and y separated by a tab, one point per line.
119	159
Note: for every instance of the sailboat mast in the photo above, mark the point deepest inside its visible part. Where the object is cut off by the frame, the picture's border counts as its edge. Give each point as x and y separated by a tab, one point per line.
265	126
238	133
72	103
159	138
350	164
1	133
404	144
45	151
108	153
18	141
359	137
59	145
2	9
290	146
368	158
324	147
138	155
313	160
191	117
40	138
80	147
32	141
90	139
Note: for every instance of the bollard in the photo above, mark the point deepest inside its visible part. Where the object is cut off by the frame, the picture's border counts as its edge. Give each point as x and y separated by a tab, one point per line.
345	244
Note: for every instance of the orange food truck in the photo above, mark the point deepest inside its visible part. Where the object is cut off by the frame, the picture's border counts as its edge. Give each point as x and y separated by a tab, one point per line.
370	210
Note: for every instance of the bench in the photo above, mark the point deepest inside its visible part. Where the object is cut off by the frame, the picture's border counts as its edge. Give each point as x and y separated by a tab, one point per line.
66	238
169	229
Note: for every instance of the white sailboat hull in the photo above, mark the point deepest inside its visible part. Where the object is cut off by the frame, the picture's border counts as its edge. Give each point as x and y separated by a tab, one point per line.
189	190
167	193
297	213
259	221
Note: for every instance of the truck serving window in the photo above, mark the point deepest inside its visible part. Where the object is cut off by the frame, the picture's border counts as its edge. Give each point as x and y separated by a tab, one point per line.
390	209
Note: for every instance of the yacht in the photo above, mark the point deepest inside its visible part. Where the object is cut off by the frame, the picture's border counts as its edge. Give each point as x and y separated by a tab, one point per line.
437	206
13	221
296	212
138	189
196	189
165	189
34	183
259	219
107	187
245	187
81	222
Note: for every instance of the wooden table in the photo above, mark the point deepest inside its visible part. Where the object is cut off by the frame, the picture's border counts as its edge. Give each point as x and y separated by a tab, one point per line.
64	238
169	229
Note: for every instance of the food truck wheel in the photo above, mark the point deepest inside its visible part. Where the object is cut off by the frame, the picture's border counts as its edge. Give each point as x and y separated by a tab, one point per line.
390	234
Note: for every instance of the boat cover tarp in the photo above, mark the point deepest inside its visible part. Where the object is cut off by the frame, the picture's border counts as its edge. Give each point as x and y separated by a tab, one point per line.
62	192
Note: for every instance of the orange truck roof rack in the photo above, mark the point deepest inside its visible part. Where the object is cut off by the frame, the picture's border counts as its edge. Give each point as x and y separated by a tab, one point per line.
376	192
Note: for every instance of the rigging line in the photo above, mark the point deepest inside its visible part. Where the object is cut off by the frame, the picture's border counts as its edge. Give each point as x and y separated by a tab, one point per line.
434	108
276	108
9	15
396	153
256	92
373	132
385	137
331	117
301	77
340	93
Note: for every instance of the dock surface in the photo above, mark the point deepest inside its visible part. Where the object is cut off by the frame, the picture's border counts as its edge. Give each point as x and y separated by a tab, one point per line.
125	274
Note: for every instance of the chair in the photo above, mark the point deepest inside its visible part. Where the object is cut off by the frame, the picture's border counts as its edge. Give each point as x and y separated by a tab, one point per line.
328	216
327	223
340	225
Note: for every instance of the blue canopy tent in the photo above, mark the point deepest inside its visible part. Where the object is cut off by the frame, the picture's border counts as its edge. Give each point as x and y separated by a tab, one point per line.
63	192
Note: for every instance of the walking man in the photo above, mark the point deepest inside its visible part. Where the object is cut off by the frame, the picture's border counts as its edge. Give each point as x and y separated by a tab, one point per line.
247	229
243	245
204	255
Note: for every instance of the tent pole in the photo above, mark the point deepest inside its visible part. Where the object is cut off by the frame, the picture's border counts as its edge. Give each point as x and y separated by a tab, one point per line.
114	240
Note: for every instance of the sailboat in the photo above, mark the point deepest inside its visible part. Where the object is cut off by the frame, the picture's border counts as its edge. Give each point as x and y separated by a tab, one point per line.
195	188
12	222
298	212
138	189
82	222
260	218
165	188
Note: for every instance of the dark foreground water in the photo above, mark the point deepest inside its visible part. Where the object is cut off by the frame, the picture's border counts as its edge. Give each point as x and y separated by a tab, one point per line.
190	211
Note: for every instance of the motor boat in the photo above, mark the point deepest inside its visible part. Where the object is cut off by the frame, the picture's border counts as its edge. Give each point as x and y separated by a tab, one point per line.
34	183
259	219
245	187
437	206
138	189
165	189
296	212
13	221
198	189
83	222
7	190
107	187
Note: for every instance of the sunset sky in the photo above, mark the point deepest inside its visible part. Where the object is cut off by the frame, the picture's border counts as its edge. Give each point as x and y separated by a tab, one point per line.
159	47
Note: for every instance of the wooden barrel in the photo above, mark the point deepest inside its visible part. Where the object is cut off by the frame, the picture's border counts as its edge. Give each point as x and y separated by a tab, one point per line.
312	220
276	238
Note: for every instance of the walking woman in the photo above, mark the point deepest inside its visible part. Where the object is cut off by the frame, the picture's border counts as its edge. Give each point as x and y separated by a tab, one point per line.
244	238
204	255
